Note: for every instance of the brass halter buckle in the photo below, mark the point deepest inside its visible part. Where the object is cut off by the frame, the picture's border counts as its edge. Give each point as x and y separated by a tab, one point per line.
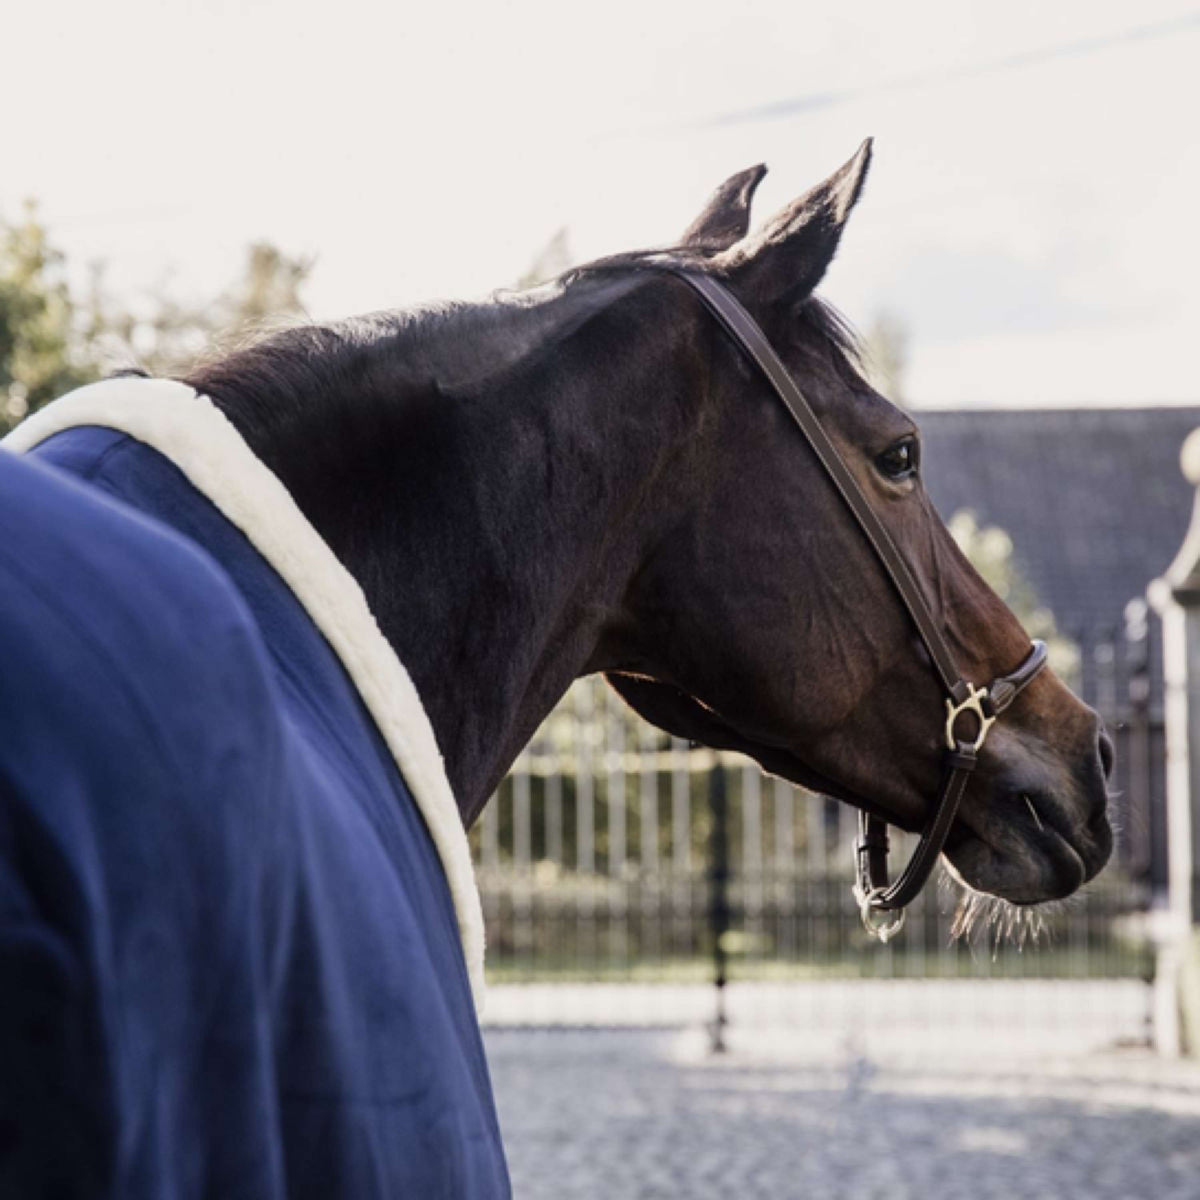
881	923
972	704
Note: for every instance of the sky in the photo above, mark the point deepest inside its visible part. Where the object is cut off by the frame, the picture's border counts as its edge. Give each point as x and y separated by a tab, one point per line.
1031	216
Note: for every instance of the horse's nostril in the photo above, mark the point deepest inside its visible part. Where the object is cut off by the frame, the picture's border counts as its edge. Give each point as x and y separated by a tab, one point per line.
1107	754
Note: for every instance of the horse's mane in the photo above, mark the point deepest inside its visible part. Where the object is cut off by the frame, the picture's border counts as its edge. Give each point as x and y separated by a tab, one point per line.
274	369
279	367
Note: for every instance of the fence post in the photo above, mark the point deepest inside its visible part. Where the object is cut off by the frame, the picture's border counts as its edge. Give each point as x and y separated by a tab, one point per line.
718	908
1141	818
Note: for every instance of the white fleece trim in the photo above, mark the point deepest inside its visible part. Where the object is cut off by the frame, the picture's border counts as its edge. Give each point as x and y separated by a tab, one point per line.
200	440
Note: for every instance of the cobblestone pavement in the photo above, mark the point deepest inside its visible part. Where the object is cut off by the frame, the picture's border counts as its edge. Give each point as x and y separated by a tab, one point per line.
616	1114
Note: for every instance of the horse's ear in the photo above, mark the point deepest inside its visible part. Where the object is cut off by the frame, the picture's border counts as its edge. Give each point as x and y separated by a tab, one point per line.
785	260
726	217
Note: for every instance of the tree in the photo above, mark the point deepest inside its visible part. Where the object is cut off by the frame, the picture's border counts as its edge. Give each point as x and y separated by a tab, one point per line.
52	341
269	288
45	347
170	334
887	356
549	262
990	551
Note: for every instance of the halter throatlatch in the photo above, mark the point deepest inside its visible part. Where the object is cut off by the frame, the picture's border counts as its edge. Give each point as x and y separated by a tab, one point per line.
970	711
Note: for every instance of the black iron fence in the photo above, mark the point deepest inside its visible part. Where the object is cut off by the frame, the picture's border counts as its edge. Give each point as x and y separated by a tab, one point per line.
603	857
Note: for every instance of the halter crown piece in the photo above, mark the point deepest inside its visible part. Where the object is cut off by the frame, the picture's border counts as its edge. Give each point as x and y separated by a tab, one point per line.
970	711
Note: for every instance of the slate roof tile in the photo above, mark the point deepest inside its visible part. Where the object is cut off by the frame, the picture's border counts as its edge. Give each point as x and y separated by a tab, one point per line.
1093	498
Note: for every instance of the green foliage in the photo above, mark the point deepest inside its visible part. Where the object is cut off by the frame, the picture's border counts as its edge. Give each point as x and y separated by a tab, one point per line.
166	335
52	341
549	262
46	344
990	551
886	358
269	288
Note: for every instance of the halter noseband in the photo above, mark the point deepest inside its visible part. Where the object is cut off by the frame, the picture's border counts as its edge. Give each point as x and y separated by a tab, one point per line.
876	897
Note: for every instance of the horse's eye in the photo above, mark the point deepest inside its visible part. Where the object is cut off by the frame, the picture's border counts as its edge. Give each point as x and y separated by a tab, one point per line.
899	461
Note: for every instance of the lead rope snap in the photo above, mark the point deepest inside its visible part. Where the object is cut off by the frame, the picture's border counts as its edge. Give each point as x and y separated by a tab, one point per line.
880	923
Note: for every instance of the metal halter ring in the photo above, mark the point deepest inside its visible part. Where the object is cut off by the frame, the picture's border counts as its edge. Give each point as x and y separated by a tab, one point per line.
972	704
881	923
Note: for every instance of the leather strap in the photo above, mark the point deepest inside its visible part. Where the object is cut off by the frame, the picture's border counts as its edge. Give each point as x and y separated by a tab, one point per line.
1007	688
872	846
746	332
871	849
871	875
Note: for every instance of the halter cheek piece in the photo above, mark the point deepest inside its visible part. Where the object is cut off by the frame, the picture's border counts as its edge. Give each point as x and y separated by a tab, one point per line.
970	711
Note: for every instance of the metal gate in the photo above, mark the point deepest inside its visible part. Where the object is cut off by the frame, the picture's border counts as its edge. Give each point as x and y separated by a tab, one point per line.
603	859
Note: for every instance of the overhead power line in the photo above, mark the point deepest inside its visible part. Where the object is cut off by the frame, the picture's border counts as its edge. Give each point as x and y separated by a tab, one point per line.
1078	48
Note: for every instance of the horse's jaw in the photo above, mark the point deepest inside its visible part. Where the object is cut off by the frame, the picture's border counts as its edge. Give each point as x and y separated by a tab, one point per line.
674	710
1028	835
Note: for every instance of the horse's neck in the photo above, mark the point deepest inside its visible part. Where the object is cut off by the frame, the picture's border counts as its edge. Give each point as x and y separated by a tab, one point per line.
493	530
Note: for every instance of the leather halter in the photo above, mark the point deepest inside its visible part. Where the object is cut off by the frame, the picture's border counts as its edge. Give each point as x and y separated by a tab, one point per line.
877	897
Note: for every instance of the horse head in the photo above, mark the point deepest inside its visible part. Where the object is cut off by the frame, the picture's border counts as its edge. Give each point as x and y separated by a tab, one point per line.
591	477
760	620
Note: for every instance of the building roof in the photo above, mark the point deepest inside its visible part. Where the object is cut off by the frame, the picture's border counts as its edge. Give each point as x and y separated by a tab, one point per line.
1093	499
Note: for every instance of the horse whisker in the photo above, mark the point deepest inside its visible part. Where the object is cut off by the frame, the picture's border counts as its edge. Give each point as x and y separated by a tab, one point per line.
1033	812
979	918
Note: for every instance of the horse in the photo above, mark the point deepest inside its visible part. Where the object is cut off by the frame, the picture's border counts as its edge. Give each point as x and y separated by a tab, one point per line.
272	634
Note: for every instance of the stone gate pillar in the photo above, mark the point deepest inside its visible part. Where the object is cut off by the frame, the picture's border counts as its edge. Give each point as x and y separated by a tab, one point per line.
1176	596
